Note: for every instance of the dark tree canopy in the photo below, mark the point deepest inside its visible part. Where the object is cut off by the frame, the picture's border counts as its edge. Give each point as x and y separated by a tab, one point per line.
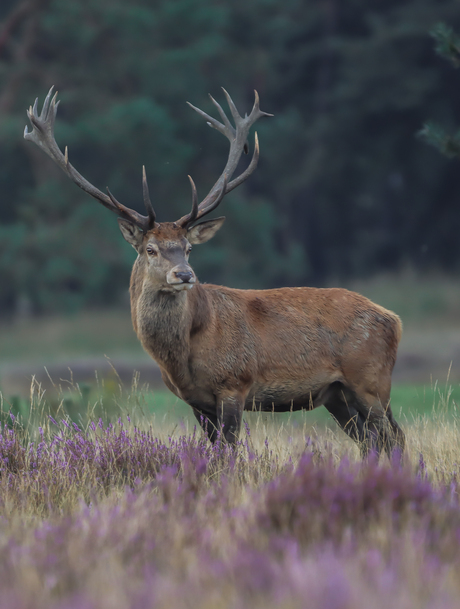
447	46
344	187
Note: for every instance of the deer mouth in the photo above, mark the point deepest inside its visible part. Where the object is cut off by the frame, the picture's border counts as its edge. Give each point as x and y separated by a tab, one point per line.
180	287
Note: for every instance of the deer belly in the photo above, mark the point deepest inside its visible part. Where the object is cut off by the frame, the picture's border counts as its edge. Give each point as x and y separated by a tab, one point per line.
283	399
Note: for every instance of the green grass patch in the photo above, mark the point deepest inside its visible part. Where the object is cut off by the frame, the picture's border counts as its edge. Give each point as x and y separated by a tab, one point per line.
410	401
109	401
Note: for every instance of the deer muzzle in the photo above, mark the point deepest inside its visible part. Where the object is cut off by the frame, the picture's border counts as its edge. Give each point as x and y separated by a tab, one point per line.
181	278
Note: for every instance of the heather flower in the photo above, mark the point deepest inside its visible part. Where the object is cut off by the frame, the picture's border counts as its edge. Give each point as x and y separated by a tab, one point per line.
117	516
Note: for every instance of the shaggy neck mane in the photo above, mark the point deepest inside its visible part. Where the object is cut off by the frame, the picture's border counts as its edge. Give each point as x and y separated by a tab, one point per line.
166	322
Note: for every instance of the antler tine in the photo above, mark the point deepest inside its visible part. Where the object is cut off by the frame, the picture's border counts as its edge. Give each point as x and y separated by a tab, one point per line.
250	168
255	113
238	143
42	135
117	204
229	186
236	115
190	217
212	122
223	116
218	198
256	108
147	201
194	212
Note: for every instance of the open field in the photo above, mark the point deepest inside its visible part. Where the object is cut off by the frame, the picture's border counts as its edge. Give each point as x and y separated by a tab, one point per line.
148	515
110	498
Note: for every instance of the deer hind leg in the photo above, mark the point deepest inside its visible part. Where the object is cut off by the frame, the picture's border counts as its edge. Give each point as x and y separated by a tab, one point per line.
399	439
390	435
374	399
380	431
341	404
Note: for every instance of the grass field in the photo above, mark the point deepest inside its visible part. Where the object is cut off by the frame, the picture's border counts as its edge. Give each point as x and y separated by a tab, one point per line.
151	516
110	498
110	400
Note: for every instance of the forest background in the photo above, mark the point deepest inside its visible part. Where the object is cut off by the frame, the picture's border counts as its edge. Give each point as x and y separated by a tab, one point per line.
346	193
344	188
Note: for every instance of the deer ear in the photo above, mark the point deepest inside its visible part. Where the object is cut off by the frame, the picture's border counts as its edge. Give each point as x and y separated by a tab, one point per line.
132	233
200	233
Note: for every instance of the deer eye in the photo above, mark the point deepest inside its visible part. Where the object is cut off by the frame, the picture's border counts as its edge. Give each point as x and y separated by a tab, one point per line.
189	249
151	251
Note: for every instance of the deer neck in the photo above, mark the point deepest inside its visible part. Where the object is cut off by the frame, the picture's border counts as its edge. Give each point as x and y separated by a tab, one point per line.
163	321
166	322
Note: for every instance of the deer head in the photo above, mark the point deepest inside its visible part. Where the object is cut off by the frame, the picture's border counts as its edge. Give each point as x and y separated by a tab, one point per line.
164	248
164	251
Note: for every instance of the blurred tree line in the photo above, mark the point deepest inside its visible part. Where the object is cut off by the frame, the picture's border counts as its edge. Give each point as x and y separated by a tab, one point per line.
343	189
447	46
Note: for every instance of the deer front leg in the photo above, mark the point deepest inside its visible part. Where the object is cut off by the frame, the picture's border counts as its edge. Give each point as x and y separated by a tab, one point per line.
229	415
208	423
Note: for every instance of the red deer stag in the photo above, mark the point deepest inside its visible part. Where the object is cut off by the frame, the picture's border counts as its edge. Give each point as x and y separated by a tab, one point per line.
224	350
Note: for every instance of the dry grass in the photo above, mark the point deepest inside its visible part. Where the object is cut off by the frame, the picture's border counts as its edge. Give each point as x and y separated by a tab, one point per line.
156	517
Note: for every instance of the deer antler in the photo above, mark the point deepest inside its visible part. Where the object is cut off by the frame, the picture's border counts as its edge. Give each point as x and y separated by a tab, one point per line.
43	135
237	136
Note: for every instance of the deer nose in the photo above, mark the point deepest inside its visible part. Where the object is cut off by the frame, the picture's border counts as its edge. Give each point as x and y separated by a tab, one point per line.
184	276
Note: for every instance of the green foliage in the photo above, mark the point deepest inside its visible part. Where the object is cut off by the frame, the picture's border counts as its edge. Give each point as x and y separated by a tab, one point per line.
447	43
59	257
256	261
446	143
447	46
82	403
343	189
